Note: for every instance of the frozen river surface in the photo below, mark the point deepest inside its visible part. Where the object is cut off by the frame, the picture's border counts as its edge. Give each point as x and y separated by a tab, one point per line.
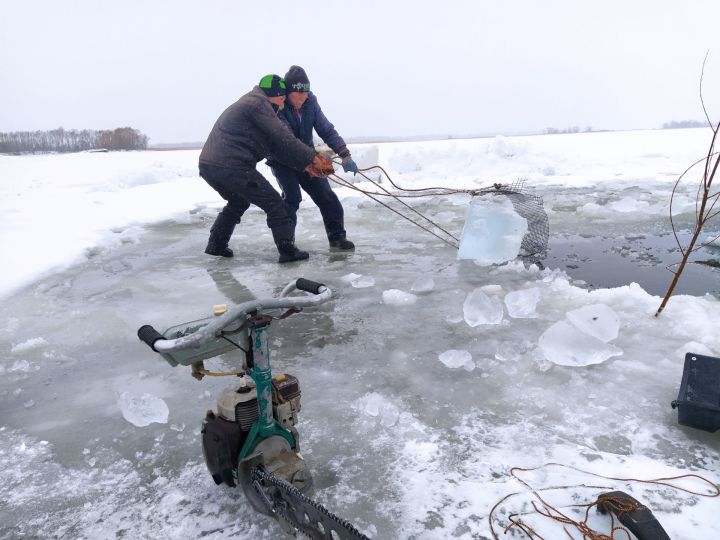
413	412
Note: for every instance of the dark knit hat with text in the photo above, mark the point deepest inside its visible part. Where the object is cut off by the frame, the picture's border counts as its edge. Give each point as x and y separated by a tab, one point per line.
296	80
272	85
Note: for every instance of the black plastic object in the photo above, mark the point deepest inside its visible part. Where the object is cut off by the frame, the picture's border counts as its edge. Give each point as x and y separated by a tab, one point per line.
636	517
221	443
149	335
308	286
698	401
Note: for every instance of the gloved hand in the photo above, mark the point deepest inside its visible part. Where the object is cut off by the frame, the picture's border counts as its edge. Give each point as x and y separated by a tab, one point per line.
320	167
349	165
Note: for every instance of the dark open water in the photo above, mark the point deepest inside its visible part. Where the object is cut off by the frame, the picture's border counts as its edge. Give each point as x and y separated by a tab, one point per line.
614	261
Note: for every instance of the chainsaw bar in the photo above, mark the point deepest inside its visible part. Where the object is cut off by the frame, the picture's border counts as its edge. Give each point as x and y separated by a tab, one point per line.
298	513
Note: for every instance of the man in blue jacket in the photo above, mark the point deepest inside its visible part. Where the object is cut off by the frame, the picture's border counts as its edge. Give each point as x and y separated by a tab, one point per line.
302	114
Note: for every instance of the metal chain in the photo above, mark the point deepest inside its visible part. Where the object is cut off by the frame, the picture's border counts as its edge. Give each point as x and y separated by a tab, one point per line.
301	513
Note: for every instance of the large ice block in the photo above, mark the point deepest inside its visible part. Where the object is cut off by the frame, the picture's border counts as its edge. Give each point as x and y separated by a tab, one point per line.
493	231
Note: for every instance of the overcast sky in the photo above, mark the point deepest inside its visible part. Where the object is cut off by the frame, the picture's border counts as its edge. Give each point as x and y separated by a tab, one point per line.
387	68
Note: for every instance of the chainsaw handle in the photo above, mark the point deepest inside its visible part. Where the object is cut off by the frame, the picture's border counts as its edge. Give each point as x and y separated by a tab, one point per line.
159	343
307	285
149	336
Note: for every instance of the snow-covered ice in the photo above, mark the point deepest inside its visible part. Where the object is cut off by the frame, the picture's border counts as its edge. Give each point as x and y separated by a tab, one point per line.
695	347
399	443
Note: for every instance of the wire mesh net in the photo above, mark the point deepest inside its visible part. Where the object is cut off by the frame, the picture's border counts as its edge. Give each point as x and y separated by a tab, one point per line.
534	243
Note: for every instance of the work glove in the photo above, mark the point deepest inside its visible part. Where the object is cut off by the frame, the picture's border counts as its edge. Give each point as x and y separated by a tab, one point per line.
320	167
349	165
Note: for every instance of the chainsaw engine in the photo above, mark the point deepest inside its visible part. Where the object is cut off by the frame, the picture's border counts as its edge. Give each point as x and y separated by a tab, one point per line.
224	433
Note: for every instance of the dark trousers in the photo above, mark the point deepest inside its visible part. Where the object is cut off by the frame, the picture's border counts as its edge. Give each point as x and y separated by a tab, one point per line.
320	192
243	187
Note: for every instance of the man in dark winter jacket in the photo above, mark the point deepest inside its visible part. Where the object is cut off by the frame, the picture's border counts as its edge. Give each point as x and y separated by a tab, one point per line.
245	133
302	114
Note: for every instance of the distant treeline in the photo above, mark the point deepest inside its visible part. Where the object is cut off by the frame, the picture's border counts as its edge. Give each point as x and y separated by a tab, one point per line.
684	124
72	140
571	129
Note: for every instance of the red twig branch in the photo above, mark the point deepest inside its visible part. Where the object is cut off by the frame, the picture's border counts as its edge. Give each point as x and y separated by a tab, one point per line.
705	211
705	200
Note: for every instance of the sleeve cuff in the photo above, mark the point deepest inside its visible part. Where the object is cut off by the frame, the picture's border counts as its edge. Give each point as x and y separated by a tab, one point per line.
344	153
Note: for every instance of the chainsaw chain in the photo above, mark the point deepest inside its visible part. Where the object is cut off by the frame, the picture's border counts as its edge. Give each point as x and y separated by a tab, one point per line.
299	512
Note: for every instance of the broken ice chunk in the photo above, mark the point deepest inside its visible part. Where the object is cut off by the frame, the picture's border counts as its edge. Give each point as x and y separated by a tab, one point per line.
492	288
597	320
349	278
362	282
396	297
143	409
479	308
629	204
423	284
521	304
493	231
29	345
565	345
20	365
377	406
457	359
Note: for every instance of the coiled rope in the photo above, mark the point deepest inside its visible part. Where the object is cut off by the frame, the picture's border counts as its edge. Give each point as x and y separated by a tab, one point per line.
551	512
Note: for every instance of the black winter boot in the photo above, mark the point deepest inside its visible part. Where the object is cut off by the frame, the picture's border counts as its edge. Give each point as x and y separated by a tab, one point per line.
285	241
343	244
220	234
289	252
219	252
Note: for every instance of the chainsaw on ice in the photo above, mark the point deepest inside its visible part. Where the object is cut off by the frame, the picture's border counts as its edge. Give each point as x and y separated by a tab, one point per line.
251	440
